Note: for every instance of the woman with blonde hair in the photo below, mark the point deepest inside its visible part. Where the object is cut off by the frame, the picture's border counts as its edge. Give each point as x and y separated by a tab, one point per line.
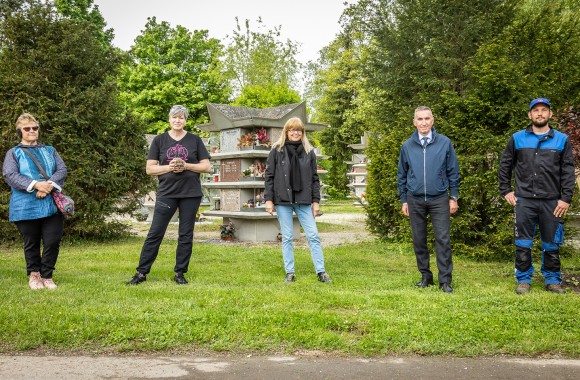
32	207
292	186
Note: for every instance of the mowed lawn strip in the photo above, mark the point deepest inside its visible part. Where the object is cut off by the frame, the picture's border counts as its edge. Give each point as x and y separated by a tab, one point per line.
237	302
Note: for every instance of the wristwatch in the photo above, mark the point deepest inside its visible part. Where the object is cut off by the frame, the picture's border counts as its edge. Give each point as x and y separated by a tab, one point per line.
454	198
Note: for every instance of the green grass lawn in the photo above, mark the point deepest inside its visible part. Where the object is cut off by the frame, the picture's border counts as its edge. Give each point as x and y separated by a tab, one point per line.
236	301
339	206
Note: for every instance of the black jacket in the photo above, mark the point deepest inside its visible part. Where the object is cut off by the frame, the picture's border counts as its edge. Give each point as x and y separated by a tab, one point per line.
277	179
544	168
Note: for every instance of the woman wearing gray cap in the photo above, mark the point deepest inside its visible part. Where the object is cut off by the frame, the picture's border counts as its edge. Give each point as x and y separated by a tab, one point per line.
176	157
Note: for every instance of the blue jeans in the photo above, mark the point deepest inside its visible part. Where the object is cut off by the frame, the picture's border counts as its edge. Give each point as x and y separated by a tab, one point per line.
306	218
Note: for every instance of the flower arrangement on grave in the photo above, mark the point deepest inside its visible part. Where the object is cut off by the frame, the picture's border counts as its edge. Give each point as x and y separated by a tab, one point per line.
255	137
258	169
249	203
227	231
259	199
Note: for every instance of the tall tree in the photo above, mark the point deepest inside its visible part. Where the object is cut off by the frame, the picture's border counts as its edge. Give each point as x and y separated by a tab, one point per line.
172	66
334	90
258	62
57	68
477	65
85	10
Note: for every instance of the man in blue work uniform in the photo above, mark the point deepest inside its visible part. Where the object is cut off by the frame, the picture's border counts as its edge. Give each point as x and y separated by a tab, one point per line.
542	161
428	182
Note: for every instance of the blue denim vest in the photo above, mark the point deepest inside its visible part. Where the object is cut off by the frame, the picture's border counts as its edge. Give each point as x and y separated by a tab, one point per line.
25	205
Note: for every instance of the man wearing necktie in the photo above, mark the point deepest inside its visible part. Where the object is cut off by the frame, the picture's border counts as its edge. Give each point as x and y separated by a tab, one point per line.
428	184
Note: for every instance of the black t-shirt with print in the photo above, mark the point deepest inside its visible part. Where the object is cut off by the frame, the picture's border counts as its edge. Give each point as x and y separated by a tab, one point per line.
191	149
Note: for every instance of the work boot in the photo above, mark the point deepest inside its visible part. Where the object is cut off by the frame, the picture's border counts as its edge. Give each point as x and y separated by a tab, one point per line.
555	288
523	288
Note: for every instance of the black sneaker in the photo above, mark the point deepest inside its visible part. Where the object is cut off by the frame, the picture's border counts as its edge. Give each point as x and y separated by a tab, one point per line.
137	279
290	277
323	277
179	279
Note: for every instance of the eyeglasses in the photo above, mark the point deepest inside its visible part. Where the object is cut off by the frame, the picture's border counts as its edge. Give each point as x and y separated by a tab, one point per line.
28	129
295	130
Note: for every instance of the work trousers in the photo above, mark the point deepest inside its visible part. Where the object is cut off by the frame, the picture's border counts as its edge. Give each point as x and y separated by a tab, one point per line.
529	213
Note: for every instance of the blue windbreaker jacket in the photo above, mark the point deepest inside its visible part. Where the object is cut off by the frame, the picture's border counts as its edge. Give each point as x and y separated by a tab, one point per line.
428	172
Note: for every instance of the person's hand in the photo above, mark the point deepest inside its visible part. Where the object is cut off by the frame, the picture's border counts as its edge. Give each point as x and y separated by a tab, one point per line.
315	209
561	209
269	207
45	187
41	194
511	198
405	209
453	206
177	165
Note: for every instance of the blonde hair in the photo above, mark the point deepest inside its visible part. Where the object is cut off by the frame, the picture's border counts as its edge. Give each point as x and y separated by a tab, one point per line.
25	118
293	123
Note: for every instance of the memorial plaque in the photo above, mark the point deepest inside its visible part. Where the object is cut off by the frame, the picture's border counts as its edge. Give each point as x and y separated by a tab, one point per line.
230	170
230	199
229	140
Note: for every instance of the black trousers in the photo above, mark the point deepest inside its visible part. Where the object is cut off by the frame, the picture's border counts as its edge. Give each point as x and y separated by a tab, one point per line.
47	230
165	208
438	209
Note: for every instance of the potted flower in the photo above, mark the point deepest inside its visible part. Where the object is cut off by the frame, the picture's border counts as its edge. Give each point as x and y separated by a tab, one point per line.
227	231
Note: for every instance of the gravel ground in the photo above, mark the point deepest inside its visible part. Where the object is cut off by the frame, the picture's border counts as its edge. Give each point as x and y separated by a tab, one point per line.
356	231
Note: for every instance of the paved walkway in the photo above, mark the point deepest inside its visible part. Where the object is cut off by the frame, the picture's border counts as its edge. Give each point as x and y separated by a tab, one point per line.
223	367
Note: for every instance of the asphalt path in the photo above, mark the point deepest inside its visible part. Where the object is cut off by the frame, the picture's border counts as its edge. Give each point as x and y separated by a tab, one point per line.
225	367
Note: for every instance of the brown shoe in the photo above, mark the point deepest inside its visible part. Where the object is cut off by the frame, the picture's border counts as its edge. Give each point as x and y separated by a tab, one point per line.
35	281
523	288
555	288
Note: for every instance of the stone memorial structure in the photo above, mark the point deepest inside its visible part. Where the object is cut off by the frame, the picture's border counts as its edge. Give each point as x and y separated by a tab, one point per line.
240	140
358	171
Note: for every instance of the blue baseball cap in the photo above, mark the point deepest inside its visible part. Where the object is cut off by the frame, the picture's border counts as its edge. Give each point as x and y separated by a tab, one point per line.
540	101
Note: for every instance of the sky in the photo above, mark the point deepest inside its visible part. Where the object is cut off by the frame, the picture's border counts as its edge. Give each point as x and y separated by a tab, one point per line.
312	23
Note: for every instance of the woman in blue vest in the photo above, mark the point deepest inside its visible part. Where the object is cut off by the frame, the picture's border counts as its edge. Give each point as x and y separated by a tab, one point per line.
32	207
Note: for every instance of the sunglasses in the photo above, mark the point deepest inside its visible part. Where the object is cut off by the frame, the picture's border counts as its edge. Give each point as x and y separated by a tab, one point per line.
28	129
295	130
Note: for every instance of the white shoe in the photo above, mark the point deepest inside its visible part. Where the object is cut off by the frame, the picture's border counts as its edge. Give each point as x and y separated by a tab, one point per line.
49	284
35	281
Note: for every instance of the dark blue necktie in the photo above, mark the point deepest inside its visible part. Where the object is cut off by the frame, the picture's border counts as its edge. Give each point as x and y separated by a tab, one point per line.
424	139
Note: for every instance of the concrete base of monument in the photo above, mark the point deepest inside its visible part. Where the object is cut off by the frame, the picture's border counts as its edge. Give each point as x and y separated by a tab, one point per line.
254	226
